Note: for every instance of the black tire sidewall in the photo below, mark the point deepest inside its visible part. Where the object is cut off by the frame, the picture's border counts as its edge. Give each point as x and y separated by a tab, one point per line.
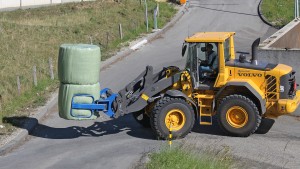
246	105
185	108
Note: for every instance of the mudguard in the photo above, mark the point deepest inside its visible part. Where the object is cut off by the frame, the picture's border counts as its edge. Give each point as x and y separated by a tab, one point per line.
250	88
177	93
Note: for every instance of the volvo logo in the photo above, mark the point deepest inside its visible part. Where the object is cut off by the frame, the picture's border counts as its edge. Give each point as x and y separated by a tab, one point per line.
250	74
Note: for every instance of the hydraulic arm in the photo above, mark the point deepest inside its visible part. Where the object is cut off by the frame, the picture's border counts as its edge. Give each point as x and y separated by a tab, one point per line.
143	90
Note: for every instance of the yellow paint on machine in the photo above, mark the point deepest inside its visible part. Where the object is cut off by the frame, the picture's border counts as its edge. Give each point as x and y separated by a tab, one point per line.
145	97
210	37
287	106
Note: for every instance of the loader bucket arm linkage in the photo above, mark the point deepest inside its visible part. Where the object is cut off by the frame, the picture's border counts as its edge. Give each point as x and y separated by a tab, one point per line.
143	90
134	97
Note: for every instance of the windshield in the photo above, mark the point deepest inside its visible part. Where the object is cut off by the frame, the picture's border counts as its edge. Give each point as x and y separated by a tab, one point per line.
197	52
227	50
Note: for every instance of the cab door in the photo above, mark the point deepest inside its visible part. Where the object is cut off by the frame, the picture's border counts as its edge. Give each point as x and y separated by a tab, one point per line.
192	63
224	53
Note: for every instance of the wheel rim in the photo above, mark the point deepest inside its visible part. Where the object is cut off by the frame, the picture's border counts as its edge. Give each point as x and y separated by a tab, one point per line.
176	118
237	117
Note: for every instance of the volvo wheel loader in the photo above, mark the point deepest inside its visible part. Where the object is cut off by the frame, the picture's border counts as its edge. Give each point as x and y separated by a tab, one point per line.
239	92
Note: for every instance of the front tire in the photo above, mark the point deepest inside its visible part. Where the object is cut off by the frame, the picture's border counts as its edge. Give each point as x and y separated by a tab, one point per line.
238	115
174	112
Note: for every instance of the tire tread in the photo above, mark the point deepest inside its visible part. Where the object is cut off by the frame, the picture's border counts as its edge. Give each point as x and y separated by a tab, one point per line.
251	103
154	118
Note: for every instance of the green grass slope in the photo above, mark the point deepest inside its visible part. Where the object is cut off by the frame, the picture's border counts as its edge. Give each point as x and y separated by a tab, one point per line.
30	37
278	12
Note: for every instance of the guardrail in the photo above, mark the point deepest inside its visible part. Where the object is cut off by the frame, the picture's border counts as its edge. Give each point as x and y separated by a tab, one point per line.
16	4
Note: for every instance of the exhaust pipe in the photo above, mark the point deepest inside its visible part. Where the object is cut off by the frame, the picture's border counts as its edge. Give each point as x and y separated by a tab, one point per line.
254	51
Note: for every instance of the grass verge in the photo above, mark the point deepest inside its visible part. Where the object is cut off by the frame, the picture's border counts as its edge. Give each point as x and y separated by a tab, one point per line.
187	157
278	12
30	37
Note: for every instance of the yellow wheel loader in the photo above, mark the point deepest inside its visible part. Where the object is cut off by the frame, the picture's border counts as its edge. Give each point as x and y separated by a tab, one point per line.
239	92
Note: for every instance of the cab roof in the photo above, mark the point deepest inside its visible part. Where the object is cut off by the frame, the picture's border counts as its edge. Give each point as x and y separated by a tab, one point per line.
210	37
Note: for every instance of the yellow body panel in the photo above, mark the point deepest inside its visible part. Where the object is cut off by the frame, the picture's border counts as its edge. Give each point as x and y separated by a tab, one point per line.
145	97
210	37
186	84
275	106
280	70
283	106
257	79
289	105
232	51
222	76
252	84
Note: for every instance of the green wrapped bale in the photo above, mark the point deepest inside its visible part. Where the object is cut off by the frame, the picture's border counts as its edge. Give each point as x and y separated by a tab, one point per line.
66	93
79	64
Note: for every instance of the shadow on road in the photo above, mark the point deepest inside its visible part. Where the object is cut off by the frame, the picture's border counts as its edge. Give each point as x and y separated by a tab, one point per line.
121	124
265	126
95	130
211	130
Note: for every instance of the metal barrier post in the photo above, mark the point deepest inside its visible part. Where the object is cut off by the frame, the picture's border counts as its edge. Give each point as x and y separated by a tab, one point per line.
297	8
155	17
146	15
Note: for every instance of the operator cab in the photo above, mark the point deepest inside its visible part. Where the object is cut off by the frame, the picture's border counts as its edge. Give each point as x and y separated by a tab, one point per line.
206	53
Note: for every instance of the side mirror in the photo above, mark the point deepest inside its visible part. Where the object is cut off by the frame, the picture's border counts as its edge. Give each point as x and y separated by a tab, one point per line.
184	47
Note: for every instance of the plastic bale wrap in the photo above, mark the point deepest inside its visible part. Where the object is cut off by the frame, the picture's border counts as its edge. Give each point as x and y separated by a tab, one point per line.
79	64
66	93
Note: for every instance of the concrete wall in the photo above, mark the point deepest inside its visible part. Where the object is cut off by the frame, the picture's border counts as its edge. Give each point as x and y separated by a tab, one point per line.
35	2
8	4
67	1
290	39
288	57
56	1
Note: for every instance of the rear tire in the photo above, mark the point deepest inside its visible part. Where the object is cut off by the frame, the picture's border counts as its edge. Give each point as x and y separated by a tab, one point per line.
238	115
175	111
142	118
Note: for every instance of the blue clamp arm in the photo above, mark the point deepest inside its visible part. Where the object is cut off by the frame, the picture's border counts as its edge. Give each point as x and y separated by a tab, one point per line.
105	104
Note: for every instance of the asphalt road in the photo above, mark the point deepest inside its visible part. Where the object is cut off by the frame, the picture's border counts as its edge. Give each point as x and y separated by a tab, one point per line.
58	143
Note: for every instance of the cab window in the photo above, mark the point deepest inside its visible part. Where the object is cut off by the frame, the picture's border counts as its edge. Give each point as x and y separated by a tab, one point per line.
227	50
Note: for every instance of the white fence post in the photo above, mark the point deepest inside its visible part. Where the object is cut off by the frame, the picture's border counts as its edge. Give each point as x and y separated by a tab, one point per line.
19	85
34	76
155	14
121	31
51	69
